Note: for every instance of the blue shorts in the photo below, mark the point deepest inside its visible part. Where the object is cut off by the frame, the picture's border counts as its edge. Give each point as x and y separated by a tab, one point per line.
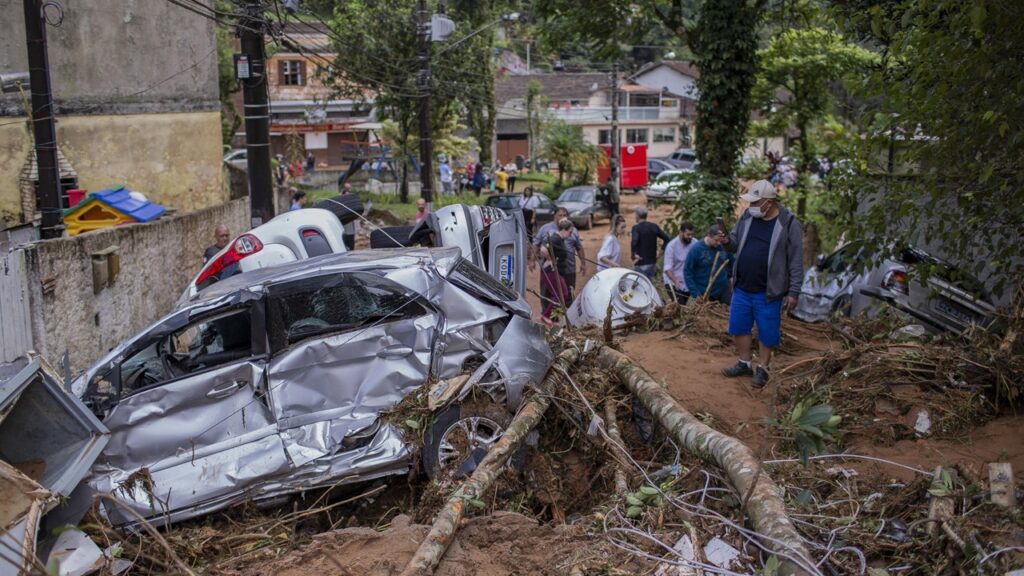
750	307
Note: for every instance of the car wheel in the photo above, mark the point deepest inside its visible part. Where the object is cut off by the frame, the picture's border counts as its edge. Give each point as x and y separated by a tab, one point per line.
347	207
460	437
391	237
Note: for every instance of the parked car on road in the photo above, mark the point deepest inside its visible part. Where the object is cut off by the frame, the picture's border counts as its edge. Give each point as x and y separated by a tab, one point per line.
585	205
656	166
668	186
280	380
237	158
686	155
508	202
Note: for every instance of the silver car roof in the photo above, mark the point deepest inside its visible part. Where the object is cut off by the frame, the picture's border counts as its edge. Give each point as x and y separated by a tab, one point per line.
443	258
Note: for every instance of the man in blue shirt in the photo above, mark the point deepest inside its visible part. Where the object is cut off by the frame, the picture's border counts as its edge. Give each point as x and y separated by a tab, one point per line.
767	274
705	258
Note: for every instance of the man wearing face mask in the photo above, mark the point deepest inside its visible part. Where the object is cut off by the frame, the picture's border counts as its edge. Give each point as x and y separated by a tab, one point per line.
768	272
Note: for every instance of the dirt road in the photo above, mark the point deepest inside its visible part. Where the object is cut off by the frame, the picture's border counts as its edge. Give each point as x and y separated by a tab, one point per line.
691	369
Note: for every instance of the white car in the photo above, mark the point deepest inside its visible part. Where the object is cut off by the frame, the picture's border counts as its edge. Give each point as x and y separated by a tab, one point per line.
292	236
237	158
668	186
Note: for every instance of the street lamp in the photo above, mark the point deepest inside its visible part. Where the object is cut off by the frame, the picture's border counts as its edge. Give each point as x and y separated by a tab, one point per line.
510	17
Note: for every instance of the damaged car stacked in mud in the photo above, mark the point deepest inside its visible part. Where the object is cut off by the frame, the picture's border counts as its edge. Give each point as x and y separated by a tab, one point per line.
280	380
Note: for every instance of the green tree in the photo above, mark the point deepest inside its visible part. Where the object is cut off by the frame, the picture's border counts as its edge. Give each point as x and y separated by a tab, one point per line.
804	63
721	34
534	104
725	44
941	150
565	145
376	43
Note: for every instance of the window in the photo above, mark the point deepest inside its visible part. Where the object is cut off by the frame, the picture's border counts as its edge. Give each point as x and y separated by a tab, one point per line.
335	303
664	134
644	100
604	137
199	346
669	103
636	135
479	283
293	73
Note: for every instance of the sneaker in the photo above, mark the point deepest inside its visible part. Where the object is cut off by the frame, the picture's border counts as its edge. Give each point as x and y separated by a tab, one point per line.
740	368
760	379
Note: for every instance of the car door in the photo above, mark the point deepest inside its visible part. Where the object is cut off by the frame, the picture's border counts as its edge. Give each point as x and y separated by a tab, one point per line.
600	203
546	211
345	347
191	424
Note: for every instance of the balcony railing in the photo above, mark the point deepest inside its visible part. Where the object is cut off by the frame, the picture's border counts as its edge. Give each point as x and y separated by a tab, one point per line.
604	113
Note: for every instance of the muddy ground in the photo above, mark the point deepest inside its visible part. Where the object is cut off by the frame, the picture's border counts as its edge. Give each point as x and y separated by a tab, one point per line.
526	530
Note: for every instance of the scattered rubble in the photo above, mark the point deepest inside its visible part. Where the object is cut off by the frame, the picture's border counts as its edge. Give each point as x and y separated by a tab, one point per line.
597	491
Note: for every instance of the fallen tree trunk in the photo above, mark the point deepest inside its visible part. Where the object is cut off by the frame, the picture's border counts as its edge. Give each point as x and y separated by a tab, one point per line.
766	509
441	534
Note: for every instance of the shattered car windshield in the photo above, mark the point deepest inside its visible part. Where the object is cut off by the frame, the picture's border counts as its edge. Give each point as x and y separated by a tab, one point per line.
335	303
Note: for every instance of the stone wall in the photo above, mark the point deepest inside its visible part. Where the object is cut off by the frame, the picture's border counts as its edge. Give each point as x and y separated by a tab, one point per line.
157	260
173	158
119	57
136	99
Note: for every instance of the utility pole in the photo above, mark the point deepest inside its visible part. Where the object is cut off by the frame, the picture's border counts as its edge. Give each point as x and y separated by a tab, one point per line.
257	112
614	179
426	142
43	129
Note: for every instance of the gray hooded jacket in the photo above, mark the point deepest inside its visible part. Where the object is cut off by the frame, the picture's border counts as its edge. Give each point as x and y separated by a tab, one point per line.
785	254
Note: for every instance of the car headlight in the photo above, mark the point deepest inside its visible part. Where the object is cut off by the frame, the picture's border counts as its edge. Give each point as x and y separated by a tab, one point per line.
576	214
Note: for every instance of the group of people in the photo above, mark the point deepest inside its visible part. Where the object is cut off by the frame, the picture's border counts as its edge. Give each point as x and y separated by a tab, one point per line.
756	268
499	179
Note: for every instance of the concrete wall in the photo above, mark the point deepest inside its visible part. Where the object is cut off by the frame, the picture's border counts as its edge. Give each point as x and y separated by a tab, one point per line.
136	99
15	145
173	158
119	54
157	261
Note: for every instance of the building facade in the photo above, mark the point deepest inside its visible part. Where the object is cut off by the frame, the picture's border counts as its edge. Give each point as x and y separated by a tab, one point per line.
648	115
306	113
136	104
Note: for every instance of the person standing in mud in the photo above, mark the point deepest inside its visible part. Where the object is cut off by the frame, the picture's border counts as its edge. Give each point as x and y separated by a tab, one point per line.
767	275
576	251
706	268
557	266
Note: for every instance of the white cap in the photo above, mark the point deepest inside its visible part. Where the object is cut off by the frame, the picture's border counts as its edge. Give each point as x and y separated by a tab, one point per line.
759	190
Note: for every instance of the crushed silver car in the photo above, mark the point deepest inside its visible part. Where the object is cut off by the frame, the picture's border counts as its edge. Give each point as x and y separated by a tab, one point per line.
279	380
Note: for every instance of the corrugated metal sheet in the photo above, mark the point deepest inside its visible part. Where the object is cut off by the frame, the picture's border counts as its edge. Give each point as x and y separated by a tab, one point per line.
15	322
